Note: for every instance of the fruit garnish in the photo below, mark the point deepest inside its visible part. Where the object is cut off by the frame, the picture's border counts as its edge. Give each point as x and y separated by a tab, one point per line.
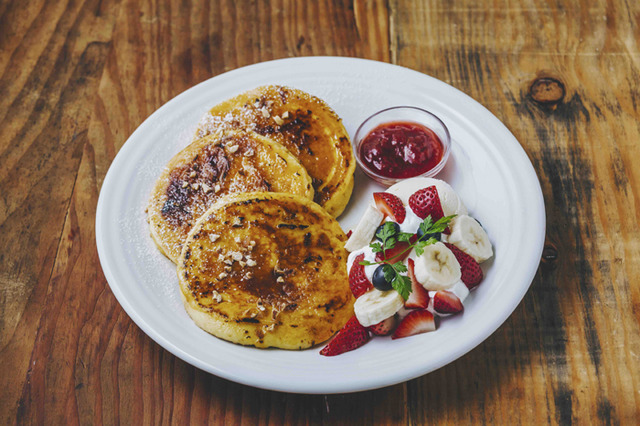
351	336
426	202
445	302
398	252
416	322
471	271
358	281
419	297
380	277
396	227
387	253
385	327
390	205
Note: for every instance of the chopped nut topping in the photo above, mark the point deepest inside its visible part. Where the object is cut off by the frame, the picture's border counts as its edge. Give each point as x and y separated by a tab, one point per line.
248	275
285	114
218	133
250	313
213	238
185	184
216	296
222	275
195	186
236	255
253	243
251	262
280	279
237	239
279	121
242	263
228	261
216	188
261	306
192	174
227	268
206	188
249	152
270	327
265	112
233	148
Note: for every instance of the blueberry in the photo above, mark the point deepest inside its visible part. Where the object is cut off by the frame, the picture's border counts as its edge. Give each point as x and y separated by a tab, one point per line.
436	235
379	281
395	225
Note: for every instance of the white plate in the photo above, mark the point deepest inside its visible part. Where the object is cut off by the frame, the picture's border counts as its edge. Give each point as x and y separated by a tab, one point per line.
487	167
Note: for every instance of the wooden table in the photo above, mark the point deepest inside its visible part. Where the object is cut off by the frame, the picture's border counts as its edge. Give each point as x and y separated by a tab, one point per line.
78	77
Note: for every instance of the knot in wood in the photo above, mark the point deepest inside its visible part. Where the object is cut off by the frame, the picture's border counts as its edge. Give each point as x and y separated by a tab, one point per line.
547	91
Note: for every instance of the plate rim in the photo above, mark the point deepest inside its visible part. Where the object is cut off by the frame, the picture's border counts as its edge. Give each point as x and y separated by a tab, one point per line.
364	384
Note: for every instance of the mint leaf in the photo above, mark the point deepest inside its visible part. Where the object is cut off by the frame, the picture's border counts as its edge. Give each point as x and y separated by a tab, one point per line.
389	272
389	243
441	224
405	236
367	263
426	225
420	245
402	284
375	247
400	267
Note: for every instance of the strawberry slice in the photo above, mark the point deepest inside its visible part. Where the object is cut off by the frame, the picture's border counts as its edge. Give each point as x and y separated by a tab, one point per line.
445	302
425	202
390	205
419	297
351	336
349	233
471	271
416	322
384	327
399	247
358	281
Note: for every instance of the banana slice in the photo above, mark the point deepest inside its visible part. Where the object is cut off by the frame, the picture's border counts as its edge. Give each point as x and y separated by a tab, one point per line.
364	231
471	238
375	306
437	268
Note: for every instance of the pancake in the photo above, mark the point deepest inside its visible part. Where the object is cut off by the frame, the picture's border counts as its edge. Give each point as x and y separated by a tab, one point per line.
305	125
268	270
210	168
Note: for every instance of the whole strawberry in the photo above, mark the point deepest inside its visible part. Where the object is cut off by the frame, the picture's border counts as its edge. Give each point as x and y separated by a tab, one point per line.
358	281
425	202
471	271
352	336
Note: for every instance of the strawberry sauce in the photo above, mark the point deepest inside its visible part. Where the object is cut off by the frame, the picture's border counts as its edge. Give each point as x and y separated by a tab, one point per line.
401	150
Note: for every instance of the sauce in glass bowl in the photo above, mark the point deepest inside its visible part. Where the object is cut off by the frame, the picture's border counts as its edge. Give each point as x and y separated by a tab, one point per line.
401	149
402	142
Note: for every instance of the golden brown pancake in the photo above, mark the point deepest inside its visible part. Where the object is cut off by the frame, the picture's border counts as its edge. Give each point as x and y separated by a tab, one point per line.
266	269
305	125
210	168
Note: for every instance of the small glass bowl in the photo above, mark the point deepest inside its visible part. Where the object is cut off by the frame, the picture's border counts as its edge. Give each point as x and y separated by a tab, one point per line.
403	114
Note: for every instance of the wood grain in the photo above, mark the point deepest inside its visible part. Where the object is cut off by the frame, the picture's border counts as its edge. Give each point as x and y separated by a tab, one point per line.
77	78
